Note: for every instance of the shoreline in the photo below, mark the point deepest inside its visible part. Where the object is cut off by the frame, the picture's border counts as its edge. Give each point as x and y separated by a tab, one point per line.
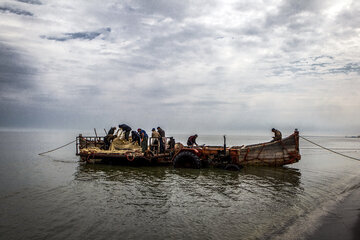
343	222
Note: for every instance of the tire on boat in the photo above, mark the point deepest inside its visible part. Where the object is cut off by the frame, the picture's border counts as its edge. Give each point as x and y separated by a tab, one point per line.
232	167
187	160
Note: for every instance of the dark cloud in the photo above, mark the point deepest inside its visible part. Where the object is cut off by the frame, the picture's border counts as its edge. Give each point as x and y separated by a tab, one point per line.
89	90
16	71
253	30
323	65
350	17
287	69
160	90
323	57
209	103
290	10
18	115
79	35
172	9
348	68
179	45
35	2
15	11
319	65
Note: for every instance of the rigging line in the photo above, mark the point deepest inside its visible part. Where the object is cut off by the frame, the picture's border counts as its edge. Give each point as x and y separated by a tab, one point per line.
350	149
330	149
58	147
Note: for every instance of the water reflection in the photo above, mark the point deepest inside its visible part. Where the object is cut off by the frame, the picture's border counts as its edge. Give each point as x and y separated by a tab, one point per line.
211	186
275	176
271	176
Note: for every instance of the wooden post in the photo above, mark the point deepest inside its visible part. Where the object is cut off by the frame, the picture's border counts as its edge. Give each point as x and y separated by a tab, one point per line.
96	137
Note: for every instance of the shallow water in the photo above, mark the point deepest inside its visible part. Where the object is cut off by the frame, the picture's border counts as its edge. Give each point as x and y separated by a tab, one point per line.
56	197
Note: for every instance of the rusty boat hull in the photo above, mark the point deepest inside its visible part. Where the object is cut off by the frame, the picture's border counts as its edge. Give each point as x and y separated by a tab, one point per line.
276	153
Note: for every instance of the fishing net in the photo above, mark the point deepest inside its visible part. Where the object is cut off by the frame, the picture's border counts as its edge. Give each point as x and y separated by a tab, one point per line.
118	145
122	144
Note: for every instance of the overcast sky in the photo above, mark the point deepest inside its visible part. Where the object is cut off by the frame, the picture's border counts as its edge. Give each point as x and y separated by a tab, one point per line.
188	66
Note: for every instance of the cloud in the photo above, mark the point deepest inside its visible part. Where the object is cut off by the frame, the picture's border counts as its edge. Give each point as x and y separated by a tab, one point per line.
292	11
348	68
319	65
173	9
15	11
184	65
35	2
350	17
79	35
16	71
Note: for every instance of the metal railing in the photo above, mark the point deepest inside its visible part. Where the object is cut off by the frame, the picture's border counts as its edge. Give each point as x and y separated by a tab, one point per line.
88	141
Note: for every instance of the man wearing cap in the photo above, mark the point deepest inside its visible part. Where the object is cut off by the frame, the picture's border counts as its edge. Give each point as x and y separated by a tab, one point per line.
155	139
143	139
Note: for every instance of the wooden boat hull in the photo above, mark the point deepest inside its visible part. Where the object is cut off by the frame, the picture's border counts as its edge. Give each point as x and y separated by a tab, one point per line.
277	153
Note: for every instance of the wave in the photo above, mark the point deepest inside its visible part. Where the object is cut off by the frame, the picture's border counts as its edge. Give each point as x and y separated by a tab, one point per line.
304	226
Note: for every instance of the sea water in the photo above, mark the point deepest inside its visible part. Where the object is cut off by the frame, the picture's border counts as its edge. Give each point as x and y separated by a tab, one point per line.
56	197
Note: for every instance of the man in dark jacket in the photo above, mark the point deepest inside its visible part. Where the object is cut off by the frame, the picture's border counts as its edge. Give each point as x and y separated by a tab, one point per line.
112	130
277	136
192	140
126	129
109	137
143	139
162	139
135	137
161	132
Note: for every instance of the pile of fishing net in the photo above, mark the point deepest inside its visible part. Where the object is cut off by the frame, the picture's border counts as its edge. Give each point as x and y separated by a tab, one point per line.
118	145
122	144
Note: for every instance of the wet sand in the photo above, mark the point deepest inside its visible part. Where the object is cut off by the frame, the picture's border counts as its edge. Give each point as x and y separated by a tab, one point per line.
343	222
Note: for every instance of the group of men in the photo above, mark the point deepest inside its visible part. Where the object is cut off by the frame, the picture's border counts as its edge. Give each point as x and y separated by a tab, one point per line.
158	139
140	136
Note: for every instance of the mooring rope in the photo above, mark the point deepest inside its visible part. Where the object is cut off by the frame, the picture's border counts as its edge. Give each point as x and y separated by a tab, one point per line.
58	147
358	159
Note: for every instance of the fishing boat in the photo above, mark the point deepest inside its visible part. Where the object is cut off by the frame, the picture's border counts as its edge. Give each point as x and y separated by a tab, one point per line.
274	153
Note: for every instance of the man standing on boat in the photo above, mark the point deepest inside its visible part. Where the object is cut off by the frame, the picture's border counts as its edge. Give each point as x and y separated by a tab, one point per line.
155	142
277	136
192	140
162	139
161	132
126	129
143	139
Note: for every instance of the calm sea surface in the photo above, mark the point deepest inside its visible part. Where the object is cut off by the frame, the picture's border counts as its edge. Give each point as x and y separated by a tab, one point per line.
56	197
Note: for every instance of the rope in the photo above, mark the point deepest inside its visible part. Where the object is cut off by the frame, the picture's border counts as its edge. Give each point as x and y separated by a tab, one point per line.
330	149
58	147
